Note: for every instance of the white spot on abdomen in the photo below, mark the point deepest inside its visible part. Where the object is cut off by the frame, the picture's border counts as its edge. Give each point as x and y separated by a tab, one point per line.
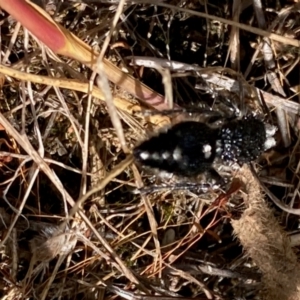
155	156
177	154
166	155
144	155
207	151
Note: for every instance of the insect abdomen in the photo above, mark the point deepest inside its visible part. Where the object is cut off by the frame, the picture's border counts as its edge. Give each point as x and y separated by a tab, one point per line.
186	149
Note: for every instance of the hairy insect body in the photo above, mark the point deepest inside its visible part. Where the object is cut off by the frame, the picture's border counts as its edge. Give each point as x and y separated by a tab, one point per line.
243	140
190	148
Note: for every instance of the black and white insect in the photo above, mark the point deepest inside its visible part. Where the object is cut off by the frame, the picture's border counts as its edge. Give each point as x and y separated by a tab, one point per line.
190	148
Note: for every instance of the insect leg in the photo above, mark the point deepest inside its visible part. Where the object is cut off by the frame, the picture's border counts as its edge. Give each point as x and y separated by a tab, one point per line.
197	187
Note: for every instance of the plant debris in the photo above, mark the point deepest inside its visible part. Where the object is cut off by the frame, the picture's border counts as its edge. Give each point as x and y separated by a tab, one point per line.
79	219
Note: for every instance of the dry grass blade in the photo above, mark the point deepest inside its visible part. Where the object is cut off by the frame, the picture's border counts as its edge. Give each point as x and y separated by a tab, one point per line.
153	224
77	85
272	36
271	74
230	84
276	201
234	37
24	143
63	42
118	169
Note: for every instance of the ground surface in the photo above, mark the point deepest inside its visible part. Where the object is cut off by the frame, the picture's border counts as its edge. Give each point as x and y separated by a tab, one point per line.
237	243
